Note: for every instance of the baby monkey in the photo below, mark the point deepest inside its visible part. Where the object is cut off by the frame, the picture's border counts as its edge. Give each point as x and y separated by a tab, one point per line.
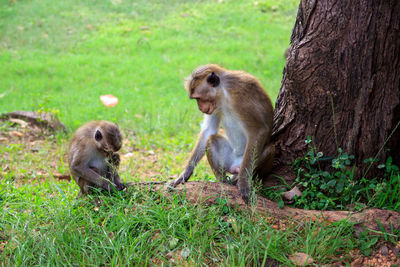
92	157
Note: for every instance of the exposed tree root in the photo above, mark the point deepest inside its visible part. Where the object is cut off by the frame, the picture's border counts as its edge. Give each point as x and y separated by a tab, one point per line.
208	192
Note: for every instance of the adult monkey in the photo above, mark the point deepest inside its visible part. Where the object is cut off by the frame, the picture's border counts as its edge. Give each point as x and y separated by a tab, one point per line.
238	101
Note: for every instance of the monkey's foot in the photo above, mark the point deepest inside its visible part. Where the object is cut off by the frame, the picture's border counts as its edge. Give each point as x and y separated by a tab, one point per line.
244	190
121	187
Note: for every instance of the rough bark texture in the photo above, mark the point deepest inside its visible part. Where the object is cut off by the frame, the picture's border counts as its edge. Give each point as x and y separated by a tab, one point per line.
341	82
208	192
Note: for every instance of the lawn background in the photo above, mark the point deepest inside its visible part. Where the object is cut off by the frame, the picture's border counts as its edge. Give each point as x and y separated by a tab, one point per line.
60	56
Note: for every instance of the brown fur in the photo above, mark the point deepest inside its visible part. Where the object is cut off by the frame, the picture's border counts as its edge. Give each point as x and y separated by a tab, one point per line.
236	98
94	163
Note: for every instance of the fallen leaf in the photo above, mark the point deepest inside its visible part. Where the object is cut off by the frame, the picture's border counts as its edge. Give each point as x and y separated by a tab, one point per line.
184	15
89	26
139	116
2	245
62	176
143	28
109	100
301	259
289	195
147	32
35	149
185	253
126	157
15	133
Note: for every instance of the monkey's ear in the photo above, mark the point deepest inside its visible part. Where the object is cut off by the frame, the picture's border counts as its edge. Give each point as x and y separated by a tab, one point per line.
213	79
98	135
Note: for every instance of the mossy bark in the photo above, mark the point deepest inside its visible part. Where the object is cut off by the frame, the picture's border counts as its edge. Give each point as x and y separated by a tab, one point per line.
341	83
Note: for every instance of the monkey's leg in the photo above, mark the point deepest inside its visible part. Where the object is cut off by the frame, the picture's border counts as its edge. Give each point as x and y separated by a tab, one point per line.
83	185
220	156
265	161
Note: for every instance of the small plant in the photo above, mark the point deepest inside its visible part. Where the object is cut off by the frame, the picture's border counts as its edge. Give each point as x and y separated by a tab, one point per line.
387	192
338	188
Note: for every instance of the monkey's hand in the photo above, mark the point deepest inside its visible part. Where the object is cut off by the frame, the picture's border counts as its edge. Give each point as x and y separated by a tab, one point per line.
120	186
183	178
176	182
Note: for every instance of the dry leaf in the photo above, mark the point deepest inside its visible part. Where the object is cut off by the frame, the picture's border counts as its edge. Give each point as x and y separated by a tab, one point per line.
15	133
185	253
20	122
139	116
289	195
126	157
301	259
62	176
109	100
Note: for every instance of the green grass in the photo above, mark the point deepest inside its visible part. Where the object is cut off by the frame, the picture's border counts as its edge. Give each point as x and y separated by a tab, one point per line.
63	55
44	225
60	56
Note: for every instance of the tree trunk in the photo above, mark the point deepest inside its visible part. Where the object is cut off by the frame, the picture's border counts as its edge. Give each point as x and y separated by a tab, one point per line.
341	82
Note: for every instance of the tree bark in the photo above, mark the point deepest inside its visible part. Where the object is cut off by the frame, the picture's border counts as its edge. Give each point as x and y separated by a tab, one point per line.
341	83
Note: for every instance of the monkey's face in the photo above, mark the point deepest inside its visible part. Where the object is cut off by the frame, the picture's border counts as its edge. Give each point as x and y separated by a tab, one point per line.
205	94
108	139
206	106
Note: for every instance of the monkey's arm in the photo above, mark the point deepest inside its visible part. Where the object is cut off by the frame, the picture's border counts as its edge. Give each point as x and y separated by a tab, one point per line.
117	181
210	126
92	176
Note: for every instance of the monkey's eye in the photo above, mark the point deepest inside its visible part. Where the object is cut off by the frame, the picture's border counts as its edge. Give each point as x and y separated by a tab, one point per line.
213	79
98	136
